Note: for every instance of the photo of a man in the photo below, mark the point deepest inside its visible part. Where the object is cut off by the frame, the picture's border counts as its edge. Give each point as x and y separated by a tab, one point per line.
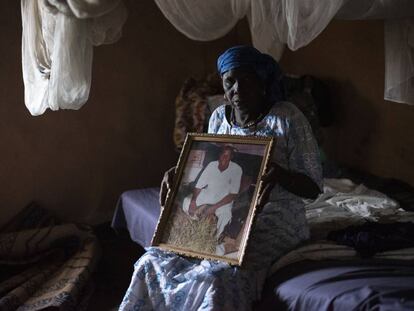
216	190
212	202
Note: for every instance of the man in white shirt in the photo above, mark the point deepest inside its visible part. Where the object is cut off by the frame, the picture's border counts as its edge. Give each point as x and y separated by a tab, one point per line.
216	190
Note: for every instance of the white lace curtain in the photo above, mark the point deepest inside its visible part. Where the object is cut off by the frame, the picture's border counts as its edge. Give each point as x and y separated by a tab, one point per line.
57	48
295	23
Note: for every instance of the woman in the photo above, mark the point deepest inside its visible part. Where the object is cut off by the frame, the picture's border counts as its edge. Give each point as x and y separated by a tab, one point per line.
252	86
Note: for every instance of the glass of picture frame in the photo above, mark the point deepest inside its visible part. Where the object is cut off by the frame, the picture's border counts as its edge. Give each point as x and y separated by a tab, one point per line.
210	209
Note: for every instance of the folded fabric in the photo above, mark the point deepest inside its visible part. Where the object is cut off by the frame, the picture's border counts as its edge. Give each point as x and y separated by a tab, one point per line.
370	238
44	264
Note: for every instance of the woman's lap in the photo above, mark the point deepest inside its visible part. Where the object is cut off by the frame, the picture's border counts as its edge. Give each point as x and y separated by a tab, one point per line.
166	281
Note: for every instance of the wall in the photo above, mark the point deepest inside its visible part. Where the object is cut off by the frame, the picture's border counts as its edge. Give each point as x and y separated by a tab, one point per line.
369	133
77	163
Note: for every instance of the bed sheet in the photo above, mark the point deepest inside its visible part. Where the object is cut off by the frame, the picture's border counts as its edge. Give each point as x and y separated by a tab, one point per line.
137	211
333	285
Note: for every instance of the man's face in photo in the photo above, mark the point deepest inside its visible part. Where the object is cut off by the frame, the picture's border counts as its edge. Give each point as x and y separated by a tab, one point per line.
224	159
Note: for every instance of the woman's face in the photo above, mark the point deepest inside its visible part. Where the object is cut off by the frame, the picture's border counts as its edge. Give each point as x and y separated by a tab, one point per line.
243	89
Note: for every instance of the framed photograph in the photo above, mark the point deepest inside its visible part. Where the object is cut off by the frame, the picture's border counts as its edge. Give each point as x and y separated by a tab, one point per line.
210	210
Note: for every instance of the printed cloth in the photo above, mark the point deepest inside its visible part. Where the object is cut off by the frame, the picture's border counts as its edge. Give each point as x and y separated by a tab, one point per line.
44	264
192	110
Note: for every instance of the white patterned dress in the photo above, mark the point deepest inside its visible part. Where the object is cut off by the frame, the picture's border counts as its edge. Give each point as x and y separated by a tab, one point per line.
166	281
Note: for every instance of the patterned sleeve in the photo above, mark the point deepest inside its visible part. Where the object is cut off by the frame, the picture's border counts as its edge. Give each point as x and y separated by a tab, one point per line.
216	119
303	149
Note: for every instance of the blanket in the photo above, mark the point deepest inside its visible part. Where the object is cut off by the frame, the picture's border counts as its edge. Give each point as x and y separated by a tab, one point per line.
344	204
45	264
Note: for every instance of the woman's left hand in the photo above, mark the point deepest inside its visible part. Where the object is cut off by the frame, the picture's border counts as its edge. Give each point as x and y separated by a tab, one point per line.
294	182
275	174
268	182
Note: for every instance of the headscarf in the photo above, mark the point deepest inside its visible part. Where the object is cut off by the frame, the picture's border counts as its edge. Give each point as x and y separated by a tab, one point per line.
264	65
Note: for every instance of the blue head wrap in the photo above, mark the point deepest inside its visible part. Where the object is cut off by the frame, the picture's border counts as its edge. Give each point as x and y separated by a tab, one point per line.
264	65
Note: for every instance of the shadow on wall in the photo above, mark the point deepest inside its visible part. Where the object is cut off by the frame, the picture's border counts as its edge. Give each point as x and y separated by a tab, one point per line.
350	138
77	163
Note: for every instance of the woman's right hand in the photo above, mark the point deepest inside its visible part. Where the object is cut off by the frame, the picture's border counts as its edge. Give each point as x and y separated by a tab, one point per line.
166	185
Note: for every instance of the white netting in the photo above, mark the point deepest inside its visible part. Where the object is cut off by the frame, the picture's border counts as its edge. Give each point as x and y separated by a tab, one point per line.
399	61
57	48
274	23
204	20
398	42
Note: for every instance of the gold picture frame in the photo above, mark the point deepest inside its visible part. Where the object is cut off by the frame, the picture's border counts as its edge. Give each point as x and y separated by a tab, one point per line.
210	209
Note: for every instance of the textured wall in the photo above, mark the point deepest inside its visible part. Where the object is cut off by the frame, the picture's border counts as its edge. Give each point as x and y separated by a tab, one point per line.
369	133
78	162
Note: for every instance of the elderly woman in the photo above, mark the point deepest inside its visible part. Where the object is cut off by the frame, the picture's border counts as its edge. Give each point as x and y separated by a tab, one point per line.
256	106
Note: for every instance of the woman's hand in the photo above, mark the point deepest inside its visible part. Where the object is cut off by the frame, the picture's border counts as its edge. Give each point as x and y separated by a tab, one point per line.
296	183
166	185
268	182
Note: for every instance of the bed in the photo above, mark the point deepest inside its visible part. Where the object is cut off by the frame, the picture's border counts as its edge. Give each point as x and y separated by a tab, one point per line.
341	285
322	274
